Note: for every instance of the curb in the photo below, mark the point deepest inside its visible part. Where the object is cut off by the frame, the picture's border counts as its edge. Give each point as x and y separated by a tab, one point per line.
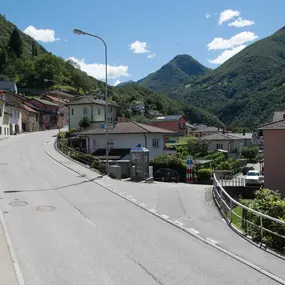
16	266
177	225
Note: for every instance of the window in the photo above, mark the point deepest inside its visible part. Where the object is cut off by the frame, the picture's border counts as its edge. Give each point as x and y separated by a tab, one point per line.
5	131
72	112
155	143
283	116
84	111
111	109
99	111
94	144
0	110
219	146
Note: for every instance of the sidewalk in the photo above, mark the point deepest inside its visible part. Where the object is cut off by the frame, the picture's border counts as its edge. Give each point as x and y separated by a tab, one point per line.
7	272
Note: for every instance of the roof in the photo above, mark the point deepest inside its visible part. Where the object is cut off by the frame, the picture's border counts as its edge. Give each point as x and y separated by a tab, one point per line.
128	128
167	118
61	93
204	128
28	108
114	153
84	100
53	98
220	137
278	125
246	136
46	102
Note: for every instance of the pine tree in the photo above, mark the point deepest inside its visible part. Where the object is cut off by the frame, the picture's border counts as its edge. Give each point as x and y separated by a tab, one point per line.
15	44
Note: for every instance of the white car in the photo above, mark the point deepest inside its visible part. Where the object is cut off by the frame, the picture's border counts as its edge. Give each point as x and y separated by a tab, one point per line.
254	177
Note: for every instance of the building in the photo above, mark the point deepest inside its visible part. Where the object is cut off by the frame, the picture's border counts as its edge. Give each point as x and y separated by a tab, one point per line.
14	104
49	115
201	130
175	123
9	86
4	116
279	115
247	138
93	109
30	119
62	108
274	155
124	137
227	142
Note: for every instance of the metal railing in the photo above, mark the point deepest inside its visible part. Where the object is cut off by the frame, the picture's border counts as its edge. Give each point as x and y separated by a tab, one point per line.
80	156
265	224
234	182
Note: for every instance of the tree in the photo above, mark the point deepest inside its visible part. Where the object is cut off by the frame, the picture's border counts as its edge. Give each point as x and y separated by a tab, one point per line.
3	58
197	146
15	44
84	122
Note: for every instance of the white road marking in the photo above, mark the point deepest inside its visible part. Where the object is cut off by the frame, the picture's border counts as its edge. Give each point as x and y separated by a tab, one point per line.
129	196
134	200
212	240
153	210
179	223
142	205
193	231
164	216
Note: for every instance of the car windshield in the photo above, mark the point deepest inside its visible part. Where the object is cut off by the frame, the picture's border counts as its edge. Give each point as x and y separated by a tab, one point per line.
253	173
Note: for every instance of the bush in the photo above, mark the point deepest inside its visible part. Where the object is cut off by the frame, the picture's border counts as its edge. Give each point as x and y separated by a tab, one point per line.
204	174
173	161
269	203
84	122
250	152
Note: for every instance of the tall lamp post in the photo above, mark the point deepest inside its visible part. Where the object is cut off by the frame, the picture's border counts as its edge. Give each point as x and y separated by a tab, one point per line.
79	32
59	123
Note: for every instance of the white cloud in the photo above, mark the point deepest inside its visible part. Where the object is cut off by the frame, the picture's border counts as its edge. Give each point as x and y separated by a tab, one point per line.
153	55
236	40
208	15
139	47
240	22
98	70
225	55
43	35
228	15
117	82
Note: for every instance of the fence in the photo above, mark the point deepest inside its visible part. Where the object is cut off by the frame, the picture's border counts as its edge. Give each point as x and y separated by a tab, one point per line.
234	182
264	225
86	159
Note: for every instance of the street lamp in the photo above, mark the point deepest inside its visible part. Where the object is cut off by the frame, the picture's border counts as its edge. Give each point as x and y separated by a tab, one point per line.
79	32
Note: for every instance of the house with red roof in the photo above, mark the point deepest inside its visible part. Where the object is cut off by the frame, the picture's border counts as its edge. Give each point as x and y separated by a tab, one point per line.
30	119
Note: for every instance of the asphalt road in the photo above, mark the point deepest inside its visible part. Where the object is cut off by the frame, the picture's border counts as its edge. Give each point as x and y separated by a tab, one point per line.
68	230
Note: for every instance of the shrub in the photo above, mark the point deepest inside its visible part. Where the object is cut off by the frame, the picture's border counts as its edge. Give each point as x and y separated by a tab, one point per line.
173	161
84	122
204	174
269	203
249	152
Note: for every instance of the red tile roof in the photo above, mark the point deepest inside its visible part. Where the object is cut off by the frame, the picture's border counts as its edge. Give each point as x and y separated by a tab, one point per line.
278	125
26	107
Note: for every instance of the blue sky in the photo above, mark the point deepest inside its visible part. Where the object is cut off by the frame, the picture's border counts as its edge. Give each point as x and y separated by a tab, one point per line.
143	35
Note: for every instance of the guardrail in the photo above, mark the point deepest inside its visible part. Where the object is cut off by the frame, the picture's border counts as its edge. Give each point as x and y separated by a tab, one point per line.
82	157
227	205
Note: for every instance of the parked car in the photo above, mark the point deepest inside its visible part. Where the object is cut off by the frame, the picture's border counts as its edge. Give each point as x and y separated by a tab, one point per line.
246	169
166	174
254	177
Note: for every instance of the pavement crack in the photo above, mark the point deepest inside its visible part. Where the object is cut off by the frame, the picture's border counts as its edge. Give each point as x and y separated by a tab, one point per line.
147	271
182	206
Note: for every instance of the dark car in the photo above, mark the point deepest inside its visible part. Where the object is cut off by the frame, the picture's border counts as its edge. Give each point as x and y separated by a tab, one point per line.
246	169
166	174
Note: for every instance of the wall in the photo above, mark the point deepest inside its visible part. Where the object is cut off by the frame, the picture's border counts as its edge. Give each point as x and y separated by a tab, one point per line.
274	157
15	119
227	145
128	141
172	126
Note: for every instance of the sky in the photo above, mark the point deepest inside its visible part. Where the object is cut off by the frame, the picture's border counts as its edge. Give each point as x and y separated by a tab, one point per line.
142	36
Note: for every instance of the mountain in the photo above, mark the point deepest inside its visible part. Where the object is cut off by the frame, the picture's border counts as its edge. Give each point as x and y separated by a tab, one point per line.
173	74
246	89
125	83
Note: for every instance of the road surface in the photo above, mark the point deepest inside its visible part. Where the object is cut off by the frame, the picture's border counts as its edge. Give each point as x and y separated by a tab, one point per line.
68	230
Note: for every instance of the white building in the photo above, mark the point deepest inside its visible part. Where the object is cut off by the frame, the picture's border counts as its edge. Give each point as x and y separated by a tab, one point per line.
278	116
125	136
4	116
93	109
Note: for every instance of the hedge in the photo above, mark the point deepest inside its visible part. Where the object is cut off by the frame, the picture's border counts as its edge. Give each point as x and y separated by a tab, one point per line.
204	174
269	203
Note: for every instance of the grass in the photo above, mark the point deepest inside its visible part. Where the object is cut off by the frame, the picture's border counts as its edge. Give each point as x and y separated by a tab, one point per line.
179	141
237	221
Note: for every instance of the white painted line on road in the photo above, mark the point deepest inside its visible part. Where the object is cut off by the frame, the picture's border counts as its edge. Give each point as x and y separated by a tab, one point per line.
11	250
164	216
153	210
134	200
212	240
193	231
129	196
178	223
142	205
